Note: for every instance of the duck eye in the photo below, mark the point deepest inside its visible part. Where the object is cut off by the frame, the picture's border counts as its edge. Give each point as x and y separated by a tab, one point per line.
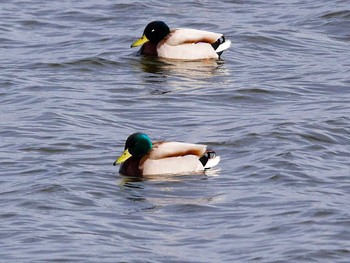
152	30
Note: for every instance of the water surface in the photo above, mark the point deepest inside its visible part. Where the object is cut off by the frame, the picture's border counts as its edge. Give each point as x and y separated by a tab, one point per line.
275	108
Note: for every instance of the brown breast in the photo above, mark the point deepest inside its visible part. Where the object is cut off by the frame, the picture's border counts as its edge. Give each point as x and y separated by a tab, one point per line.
149	49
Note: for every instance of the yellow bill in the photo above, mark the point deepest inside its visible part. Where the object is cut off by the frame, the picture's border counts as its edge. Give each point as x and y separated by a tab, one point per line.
142	40
125	155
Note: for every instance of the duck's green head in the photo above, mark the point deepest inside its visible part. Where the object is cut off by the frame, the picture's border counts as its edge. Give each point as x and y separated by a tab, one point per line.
137	145
154	32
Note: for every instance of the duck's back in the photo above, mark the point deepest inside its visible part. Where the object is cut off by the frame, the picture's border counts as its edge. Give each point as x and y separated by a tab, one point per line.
189	44
181	36
175	149
173	158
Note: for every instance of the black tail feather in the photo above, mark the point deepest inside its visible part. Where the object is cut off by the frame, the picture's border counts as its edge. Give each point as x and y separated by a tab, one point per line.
207	155
217	43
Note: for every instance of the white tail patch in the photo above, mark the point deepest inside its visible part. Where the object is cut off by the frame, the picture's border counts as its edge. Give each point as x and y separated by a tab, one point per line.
212	162
223	46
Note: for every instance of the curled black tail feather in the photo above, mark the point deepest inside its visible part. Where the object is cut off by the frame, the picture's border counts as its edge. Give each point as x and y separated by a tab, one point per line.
217	43
207	155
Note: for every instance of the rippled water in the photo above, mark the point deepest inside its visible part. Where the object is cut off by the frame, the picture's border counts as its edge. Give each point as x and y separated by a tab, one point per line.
276	109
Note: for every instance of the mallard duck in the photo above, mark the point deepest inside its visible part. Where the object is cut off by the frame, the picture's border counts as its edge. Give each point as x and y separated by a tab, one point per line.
180	43
143	157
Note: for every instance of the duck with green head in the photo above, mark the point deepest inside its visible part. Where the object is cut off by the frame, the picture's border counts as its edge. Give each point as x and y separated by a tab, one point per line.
181	43
143	157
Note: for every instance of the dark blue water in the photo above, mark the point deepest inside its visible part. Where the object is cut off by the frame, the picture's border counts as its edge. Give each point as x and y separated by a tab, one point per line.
276	108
